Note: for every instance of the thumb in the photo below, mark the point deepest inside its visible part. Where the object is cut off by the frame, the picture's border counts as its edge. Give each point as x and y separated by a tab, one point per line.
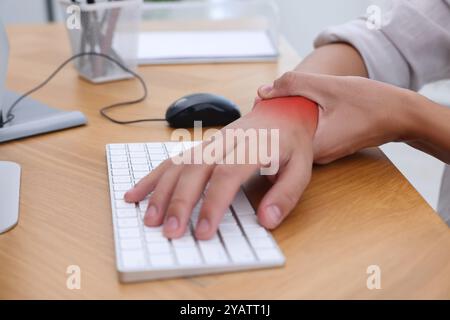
264	91
286	85
293	83
285	193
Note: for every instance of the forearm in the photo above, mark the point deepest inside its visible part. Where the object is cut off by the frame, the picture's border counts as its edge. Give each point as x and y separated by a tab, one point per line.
339	59
430	127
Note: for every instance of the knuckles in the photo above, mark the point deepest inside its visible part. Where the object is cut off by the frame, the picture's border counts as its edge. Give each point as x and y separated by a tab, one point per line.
223	171
178	204
286	81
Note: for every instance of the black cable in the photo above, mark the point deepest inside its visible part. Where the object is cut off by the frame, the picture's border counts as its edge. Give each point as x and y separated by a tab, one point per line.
10	115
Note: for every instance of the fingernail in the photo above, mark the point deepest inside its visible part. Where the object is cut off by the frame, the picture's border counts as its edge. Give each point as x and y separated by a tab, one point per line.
151	214
274	214
266	89
203	226
171	224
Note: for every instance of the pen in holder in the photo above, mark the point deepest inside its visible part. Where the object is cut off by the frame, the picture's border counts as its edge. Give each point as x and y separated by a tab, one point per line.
109	27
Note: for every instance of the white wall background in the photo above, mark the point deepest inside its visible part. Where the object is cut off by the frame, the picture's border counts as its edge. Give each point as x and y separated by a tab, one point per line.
301	21
23	11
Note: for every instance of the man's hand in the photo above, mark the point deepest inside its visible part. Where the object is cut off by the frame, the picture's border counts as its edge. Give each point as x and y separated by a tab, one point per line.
176	188
355	112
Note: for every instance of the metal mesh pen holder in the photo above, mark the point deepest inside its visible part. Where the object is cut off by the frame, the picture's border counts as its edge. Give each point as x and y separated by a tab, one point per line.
110	28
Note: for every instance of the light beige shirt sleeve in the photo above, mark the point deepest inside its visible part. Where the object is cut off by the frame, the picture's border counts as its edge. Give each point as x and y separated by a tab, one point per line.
410	50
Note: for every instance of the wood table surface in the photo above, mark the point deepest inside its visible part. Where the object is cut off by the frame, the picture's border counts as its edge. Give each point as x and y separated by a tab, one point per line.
357	212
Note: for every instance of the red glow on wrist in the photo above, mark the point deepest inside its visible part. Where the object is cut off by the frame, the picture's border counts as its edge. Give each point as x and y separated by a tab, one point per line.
292	108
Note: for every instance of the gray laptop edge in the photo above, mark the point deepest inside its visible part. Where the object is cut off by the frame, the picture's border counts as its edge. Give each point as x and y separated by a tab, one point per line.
31	116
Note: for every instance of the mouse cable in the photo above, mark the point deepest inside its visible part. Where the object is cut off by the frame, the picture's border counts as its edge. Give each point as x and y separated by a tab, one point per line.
10	115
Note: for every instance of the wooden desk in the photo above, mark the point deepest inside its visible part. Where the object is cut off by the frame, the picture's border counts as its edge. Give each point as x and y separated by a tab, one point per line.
357	212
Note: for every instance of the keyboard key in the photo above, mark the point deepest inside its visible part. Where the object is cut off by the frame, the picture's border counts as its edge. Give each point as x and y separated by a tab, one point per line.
140	167
238	249
157	229
161	151
162	260
230	229
186	241
268	255
187	256
155	237
127	222
255	231
158	247
117	152
122	179
157	157
138	175
118	159
136	147
129	233
241	203
213	253
249	220
130	244
119	165
228	220
154	147
120	172
214	239
120	204
261	242
133	259
126	213
140	154
138	161
118	195
122	186
243	213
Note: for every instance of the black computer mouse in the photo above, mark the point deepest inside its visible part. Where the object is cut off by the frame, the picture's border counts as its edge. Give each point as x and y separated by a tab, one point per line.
211	109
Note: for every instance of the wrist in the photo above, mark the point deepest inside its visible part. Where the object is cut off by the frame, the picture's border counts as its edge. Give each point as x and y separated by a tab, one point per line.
407	123
291	110
416	109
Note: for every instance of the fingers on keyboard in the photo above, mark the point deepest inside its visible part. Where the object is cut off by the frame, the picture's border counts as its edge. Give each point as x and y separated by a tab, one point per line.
238	239
225	182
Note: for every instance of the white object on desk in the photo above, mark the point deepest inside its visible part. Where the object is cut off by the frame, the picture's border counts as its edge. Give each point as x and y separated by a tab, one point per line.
9	195
143	253
167	47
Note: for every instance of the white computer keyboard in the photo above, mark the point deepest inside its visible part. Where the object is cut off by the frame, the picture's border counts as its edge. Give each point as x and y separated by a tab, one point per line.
143	253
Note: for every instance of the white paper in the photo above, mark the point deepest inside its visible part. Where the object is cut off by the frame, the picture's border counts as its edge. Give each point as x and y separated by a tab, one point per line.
205	46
